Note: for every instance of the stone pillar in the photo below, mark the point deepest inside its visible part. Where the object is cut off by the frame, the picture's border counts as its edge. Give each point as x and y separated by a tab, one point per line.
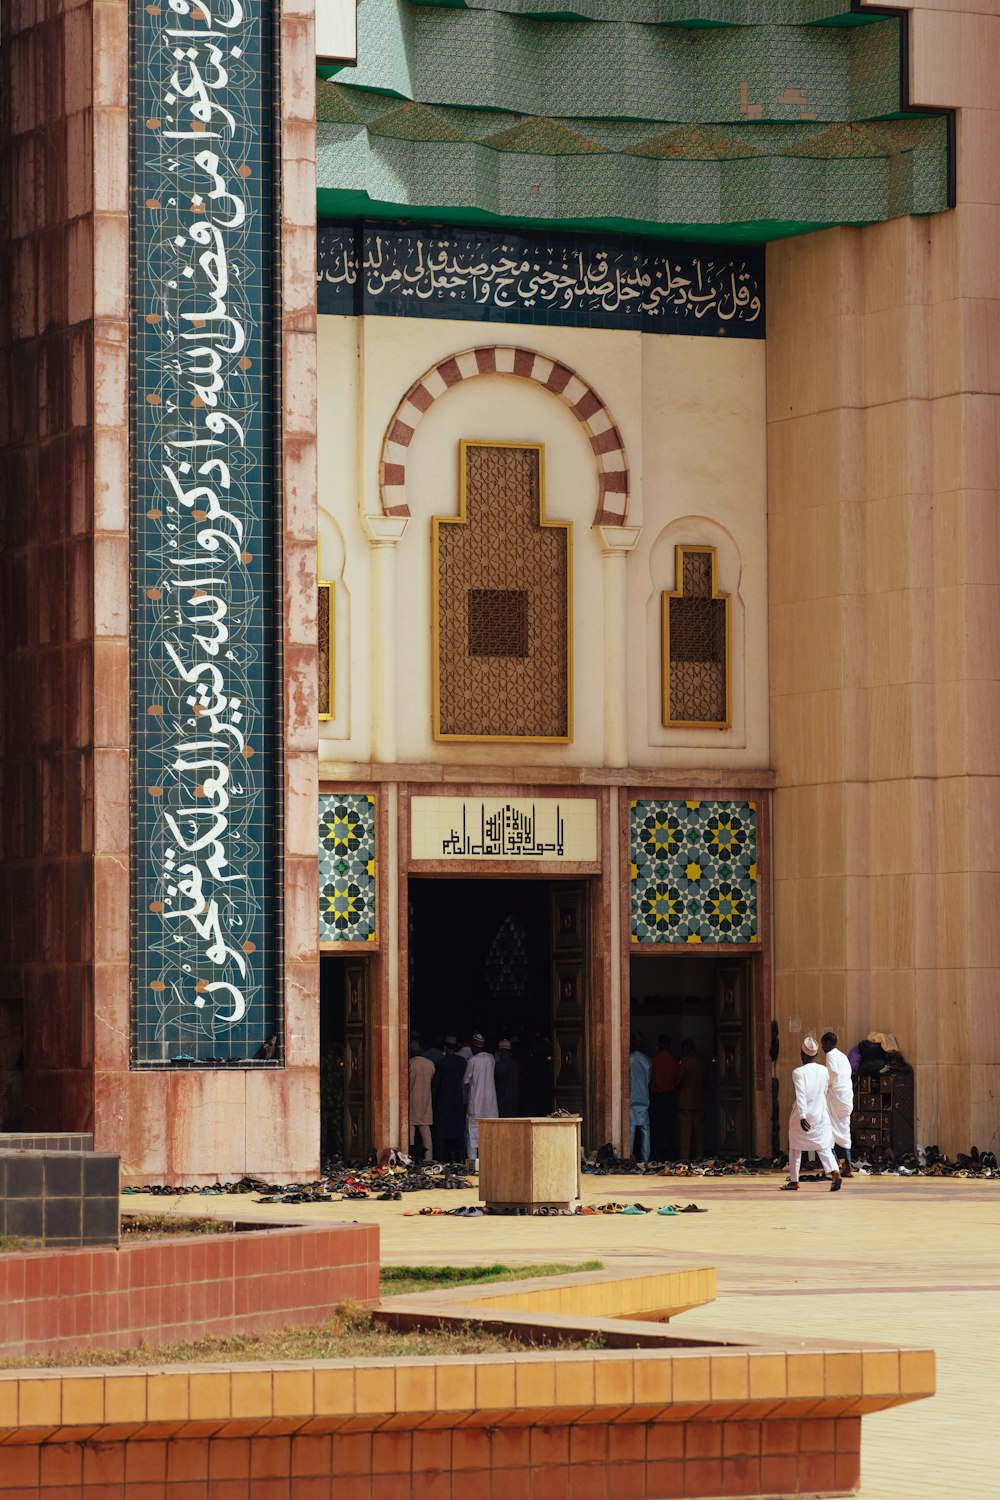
384	533
885	631
64	336
616	544
64	342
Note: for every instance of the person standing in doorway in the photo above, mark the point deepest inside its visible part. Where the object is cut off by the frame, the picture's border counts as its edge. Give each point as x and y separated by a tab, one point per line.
663	1102
505	1080
480	1088
840	1099
692	1071
809	1126
421	1108
640	1071
448	1103
436	1050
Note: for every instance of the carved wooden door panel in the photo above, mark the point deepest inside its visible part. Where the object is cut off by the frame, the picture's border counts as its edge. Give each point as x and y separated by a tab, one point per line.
734	1075
572	1082
357	1059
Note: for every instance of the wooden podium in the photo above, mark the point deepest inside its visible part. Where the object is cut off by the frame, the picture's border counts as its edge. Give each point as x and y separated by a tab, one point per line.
530	1162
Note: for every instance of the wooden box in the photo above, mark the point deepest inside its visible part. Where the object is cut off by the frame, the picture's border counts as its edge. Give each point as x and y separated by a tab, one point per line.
530	1162
883	1114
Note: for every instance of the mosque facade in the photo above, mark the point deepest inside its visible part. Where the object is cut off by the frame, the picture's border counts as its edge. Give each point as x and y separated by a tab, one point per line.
499	536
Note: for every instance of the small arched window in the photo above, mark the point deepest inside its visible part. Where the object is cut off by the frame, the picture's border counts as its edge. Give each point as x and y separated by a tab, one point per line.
695	645
326	594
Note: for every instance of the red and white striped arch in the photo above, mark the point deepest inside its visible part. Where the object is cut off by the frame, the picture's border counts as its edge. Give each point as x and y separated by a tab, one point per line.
495	359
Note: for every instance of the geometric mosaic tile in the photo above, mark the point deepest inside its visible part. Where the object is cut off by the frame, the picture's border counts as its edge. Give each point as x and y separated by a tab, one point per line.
761	126
347	868
694	872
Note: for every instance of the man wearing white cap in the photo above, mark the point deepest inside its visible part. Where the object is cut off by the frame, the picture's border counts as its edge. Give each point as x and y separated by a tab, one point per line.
481	1091
809	1126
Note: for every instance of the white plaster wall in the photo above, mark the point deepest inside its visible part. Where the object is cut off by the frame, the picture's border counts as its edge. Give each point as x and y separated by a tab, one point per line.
705	472
692	413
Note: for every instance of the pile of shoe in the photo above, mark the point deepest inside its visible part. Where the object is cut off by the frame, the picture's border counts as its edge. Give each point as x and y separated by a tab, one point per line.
466	1211
585	1209
385	1183
604	1163
928	1161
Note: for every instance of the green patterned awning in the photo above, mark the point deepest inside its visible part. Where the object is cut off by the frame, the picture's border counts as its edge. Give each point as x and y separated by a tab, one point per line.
716	118
671	12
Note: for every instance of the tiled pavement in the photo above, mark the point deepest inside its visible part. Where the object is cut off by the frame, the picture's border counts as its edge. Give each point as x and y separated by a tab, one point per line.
885	1259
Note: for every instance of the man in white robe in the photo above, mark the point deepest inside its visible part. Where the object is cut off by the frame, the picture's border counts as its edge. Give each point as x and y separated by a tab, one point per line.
809	1126
480	1091
840	1099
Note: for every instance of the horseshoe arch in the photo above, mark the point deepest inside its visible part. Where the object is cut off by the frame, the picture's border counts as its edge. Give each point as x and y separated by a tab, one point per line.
497	359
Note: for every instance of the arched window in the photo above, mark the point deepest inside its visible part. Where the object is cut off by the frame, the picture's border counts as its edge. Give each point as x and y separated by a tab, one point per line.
695	645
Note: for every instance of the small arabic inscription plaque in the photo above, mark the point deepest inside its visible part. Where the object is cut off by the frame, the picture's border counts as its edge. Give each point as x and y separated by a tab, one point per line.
560	830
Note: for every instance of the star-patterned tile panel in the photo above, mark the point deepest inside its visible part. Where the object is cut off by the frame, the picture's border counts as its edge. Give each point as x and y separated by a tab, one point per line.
347	867
694	872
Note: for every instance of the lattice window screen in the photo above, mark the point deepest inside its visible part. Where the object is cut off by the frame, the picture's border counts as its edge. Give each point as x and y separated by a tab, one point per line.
325	596
501	583
696	644
498	622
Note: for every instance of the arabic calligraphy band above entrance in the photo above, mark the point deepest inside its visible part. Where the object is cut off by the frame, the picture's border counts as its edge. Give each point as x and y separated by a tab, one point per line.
558	280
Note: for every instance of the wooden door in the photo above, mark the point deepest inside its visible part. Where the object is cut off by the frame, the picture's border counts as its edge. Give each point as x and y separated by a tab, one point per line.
357	1058
572	1080
734	1065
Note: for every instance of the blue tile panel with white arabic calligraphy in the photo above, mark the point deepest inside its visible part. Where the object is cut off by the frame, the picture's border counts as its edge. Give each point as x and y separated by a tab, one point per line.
694	872
578	281
347	868
205	734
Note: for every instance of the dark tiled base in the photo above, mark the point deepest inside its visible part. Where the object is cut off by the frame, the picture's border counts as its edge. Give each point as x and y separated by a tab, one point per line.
20	1141
61	1196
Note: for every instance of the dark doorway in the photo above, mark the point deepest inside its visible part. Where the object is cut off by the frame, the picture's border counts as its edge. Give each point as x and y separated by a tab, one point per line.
344	1057
706	1000
507	958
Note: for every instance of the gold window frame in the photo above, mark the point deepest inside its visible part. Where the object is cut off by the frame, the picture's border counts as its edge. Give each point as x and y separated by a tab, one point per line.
330	588
462	520
680	552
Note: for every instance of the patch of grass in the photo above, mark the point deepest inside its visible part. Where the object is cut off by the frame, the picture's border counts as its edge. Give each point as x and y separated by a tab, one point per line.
162	1226
9	1242
397	1280
351	1334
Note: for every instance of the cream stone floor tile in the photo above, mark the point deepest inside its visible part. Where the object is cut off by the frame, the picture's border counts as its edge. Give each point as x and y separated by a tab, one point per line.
902	1261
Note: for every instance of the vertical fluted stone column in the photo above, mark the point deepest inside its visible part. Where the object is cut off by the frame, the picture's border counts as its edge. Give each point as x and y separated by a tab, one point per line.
885	633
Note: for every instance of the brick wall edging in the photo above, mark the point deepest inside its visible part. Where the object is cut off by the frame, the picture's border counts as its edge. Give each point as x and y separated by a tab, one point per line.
182	1288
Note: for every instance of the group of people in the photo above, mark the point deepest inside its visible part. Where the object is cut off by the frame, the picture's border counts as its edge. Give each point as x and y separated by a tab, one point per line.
667	1101
820	1120
452	1088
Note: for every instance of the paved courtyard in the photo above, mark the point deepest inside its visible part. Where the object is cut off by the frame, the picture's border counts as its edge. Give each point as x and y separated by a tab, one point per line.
886	1258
